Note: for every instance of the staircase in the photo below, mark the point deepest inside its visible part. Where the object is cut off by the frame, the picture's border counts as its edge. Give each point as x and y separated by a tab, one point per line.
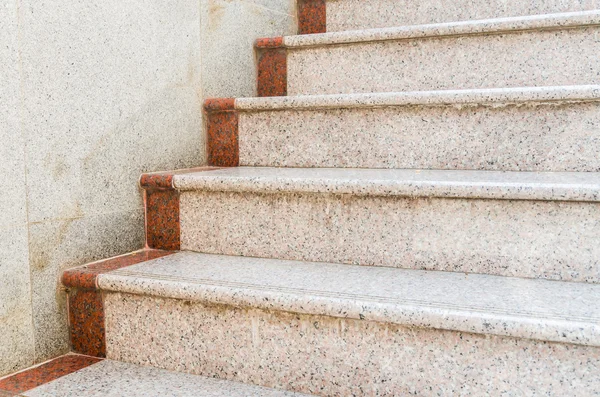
410	207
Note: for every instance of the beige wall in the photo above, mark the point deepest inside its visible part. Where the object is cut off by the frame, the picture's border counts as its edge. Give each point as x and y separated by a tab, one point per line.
92	95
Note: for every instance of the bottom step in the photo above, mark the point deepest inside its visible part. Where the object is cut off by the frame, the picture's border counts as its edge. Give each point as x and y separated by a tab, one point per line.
333	330
107	378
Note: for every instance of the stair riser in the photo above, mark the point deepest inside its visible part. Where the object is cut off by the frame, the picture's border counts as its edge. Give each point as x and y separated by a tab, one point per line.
329	356
509	138
555	240
365	14
536	58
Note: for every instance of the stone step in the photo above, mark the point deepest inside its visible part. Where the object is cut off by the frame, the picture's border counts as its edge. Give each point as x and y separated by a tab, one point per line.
367	14
108	378
541	50
539	225
332	329
511	129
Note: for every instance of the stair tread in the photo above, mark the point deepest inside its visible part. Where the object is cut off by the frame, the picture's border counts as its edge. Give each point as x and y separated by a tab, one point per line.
515	185
471	27
525	308
492	96
113	378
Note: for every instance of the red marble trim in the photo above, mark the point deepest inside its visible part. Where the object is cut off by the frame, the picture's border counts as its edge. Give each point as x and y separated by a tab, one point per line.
84	277
87	334
269	42
219	105
222	132
84	304
52	370
272	67
161	205
156	181
312	16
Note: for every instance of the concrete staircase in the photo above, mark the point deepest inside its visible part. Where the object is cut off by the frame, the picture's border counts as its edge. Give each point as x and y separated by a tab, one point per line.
412	210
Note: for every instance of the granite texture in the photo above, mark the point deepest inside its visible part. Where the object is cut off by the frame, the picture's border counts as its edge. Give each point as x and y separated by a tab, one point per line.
85	307
525	136
162	219
12	150
530	58
496	26
533	309
116	379
17	346
56	246
312	16
229	28
272	72
87	334
84	277
540	239
414	183
339	357
47	372
496	97
222	132
161	208
128	76
107	91
365	14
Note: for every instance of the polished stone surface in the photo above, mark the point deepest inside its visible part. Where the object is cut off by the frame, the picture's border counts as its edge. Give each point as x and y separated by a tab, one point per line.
551	186
402	62
365	14
556	21
496	97
339	357
535	309
525	129
117	379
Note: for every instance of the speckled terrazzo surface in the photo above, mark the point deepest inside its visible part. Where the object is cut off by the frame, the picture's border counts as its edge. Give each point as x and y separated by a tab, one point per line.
340	357
538	309
116	379
496	97
365	14
547	239
561	186
551	137
531	58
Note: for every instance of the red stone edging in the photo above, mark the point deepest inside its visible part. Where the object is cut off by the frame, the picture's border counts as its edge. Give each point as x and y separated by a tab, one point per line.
272	67
312	16
45	373
161	204
222	132
84	303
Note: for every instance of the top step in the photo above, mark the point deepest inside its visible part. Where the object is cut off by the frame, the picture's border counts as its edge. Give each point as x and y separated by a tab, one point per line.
365	14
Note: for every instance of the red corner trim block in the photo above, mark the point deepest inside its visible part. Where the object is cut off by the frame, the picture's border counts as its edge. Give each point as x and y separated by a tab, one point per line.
45	373
85	306
272	67
222	132
312	16
162	212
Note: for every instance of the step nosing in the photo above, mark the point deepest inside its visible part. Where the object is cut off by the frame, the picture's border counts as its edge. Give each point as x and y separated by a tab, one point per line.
515	185
494	97
557	21
307	294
